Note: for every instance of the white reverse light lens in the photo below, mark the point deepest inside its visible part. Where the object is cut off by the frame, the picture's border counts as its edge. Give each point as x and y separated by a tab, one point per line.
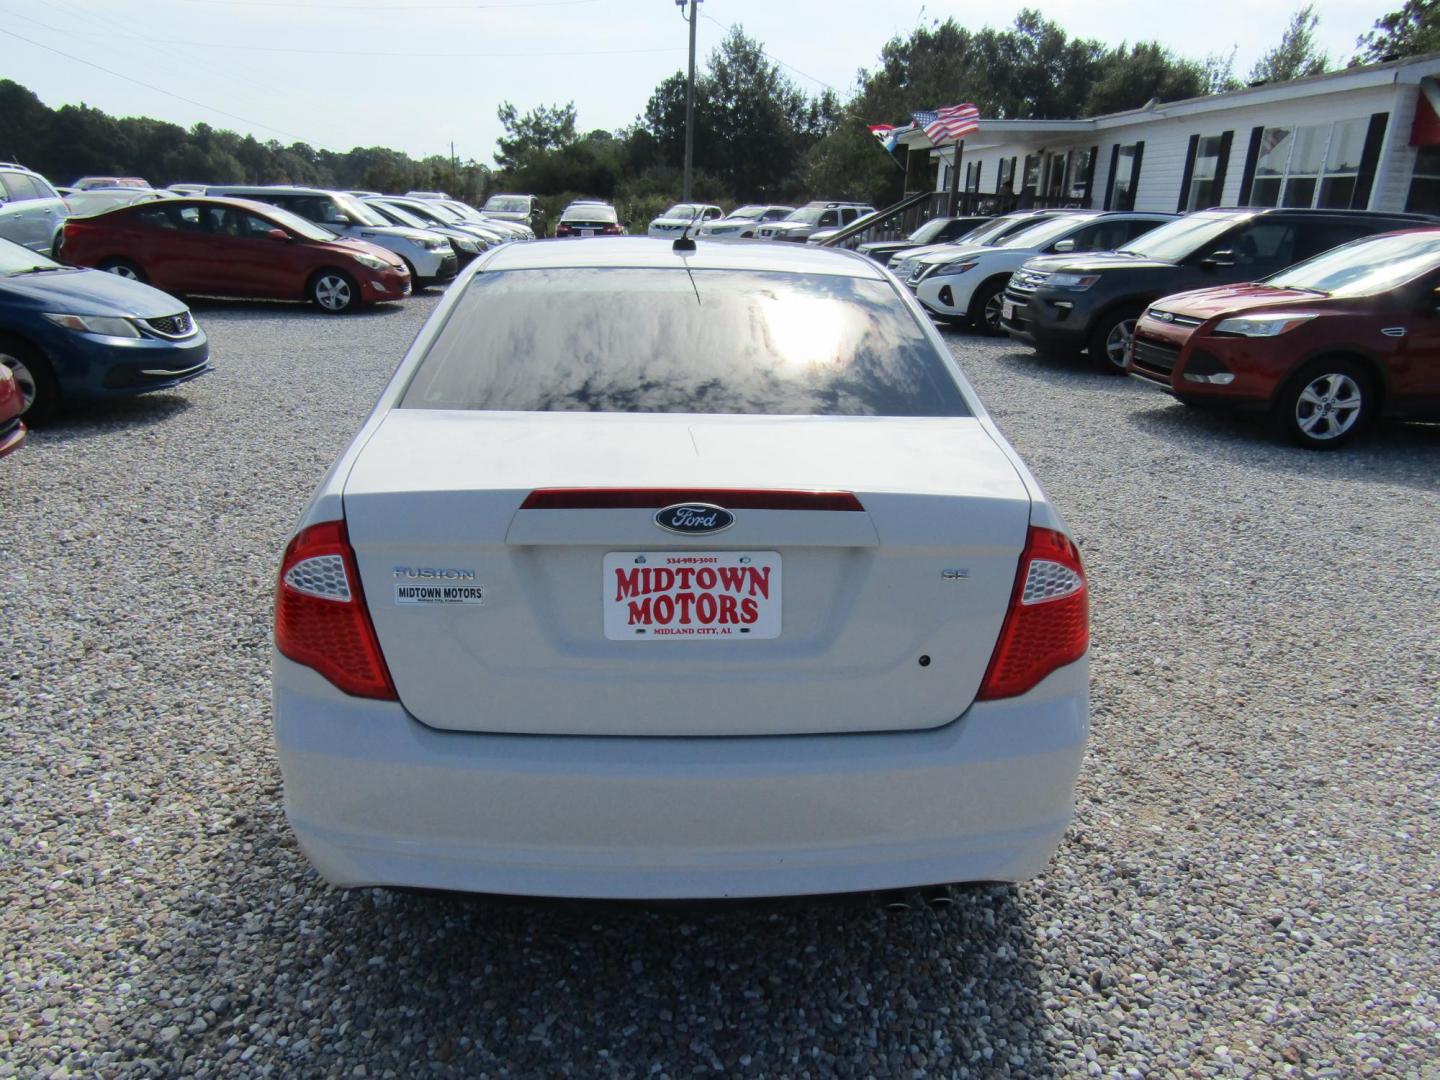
1261	325
105	325
1047	580
322	576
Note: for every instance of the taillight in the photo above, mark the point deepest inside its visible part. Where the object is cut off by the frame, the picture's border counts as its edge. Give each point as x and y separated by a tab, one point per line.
1048	624
320	615
563	230
612	230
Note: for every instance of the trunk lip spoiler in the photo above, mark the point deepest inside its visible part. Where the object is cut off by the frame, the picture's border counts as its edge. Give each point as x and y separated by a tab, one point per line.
632	498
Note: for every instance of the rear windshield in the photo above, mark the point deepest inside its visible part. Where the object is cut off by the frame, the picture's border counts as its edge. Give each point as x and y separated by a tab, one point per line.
590	213
677	341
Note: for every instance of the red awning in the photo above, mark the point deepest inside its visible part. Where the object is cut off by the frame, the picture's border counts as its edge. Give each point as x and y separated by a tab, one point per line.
1426	129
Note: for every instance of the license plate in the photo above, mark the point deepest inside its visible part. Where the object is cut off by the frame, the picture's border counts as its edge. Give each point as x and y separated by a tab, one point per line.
691	595
587	232
1007	310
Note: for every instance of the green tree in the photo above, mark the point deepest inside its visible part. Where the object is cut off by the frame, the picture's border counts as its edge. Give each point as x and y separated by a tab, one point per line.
1412	30
540	130
1297	55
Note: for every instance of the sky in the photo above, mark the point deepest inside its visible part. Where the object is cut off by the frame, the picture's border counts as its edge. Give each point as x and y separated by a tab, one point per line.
417	75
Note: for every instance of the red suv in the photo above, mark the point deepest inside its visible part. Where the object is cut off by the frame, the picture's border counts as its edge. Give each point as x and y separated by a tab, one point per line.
1323	346
233	247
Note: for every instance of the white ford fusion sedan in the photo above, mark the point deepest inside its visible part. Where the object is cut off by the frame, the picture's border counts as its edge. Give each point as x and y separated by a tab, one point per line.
664	573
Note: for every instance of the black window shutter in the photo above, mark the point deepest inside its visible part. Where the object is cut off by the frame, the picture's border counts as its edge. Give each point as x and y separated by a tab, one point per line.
1110	183
1221	167
1181	205
1369	158
1252	159
1135	176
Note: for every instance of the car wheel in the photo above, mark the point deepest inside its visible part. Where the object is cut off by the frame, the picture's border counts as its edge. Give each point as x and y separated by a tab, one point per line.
334	291
414	277
56	243
1326	404
1110	342
985	307
39	392
122	268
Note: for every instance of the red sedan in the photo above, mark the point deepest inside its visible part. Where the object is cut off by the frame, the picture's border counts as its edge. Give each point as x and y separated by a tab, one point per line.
12	431
233	247
1324	346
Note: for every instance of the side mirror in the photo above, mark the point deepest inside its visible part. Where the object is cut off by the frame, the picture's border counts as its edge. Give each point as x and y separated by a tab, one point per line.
278	234
1063	246
1218	259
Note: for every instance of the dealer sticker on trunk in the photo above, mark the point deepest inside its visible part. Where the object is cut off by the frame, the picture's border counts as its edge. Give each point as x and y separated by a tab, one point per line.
438	593
691	595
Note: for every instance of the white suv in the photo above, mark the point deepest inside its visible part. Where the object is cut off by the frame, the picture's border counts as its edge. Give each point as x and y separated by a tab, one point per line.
673	221
958	282
811	218
32	213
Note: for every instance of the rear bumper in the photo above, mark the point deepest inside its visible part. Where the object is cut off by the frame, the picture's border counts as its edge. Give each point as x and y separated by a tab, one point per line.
376	798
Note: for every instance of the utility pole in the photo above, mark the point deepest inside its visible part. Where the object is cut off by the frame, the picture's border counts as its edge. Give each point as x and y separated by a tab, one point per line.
689	98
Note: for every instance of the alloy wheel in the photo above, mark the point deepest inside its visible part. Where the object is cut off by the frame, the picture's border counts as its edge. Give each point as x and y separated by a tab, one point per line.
24	379
1117	342
332	292
994	306
124	270
1328	406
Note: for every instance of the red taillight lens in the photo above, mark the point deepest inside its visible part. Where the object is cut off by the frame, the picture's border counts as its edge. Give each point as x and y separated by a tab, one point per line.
320	615
1048	624
563	230
612	230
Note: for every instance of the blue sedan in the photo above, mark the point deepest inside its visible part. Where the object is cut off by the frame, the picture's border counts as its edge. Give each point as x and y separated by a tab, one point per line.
68	334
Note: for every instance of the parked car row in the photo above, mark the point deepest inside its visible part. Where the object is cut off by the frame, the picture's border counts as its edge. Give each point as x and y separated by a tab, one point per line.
1322	318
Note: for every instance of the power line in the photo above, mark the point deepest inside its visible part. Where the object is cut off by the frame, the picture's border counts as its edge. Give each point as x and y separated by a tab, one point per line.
729	26
151	86
289	4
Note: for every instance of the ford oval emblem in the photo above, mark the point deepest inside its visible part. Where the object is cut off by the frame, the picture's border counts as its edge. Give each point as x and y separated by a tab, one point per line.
694	518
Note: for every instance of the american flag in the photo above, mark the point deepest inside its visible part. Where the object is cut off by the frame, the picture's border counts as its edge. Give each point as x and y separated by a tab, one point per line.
948	123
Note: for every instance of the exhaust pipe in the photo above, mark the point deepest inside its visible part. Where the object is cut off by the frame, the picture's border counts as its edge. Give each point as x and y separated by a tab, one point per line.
938	898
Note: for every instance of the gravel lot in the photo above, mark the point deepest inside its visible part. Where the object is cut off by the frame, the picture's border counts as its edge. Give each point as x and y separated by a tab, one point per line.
1249	888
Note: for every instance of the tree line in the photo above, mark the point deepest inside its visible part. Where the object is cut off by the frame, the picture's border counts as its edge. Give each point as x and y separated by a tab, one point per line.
760	137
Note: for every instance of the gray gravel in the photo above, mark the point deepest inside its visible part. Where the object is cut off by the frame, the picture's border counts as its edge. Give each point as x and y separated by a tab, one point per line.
1249	888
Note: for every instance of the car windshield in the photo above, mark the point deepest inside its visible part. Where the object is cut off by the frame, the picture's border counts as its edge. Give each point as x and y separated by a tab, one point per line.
297	224
748	213
809	215
1365	267
683	210
434	210
405	217
590	212
15	259
363	215
992	232
1180	239
507	204
929	231
1041	233
644	340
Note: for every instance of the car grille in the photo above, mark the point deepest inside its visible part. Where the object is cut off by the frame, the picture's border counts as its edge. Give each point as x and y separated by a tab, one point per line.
1173	319
173	326
1154	356
1027	281
449	264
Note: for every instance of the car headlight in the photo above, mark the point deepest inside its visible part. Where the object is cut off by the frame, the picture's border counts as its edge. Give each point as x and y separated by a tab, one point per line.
464	244
436	245
1076	282
957	267
371	261
1261	325
104	325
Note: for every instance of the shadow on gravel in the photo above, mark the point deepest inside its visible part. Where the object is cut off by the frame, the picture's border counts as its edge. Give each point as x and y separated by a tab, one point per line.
305	980
281	309
86	420
1391	452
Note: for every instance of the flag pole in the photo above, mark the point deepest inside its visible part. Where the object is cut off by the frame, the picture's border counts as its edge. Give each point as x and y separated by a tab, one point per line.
955	177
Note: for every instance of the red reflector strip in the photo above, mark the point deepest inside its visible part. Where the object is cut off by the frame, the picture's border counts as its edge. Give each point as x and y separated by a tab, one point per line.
655	498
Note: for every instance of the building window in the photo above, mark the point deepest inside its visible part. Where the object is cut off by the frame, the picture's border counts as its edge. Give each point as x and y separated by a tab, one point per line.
1425	182
1127	177
1031	181
1309	166
1055	171
1203	187
1080	173
1006	182
972	176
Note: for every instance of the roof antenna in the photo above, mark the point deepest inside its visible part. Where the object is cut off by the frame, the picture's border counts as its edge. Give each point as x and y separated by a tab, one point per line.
683	241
